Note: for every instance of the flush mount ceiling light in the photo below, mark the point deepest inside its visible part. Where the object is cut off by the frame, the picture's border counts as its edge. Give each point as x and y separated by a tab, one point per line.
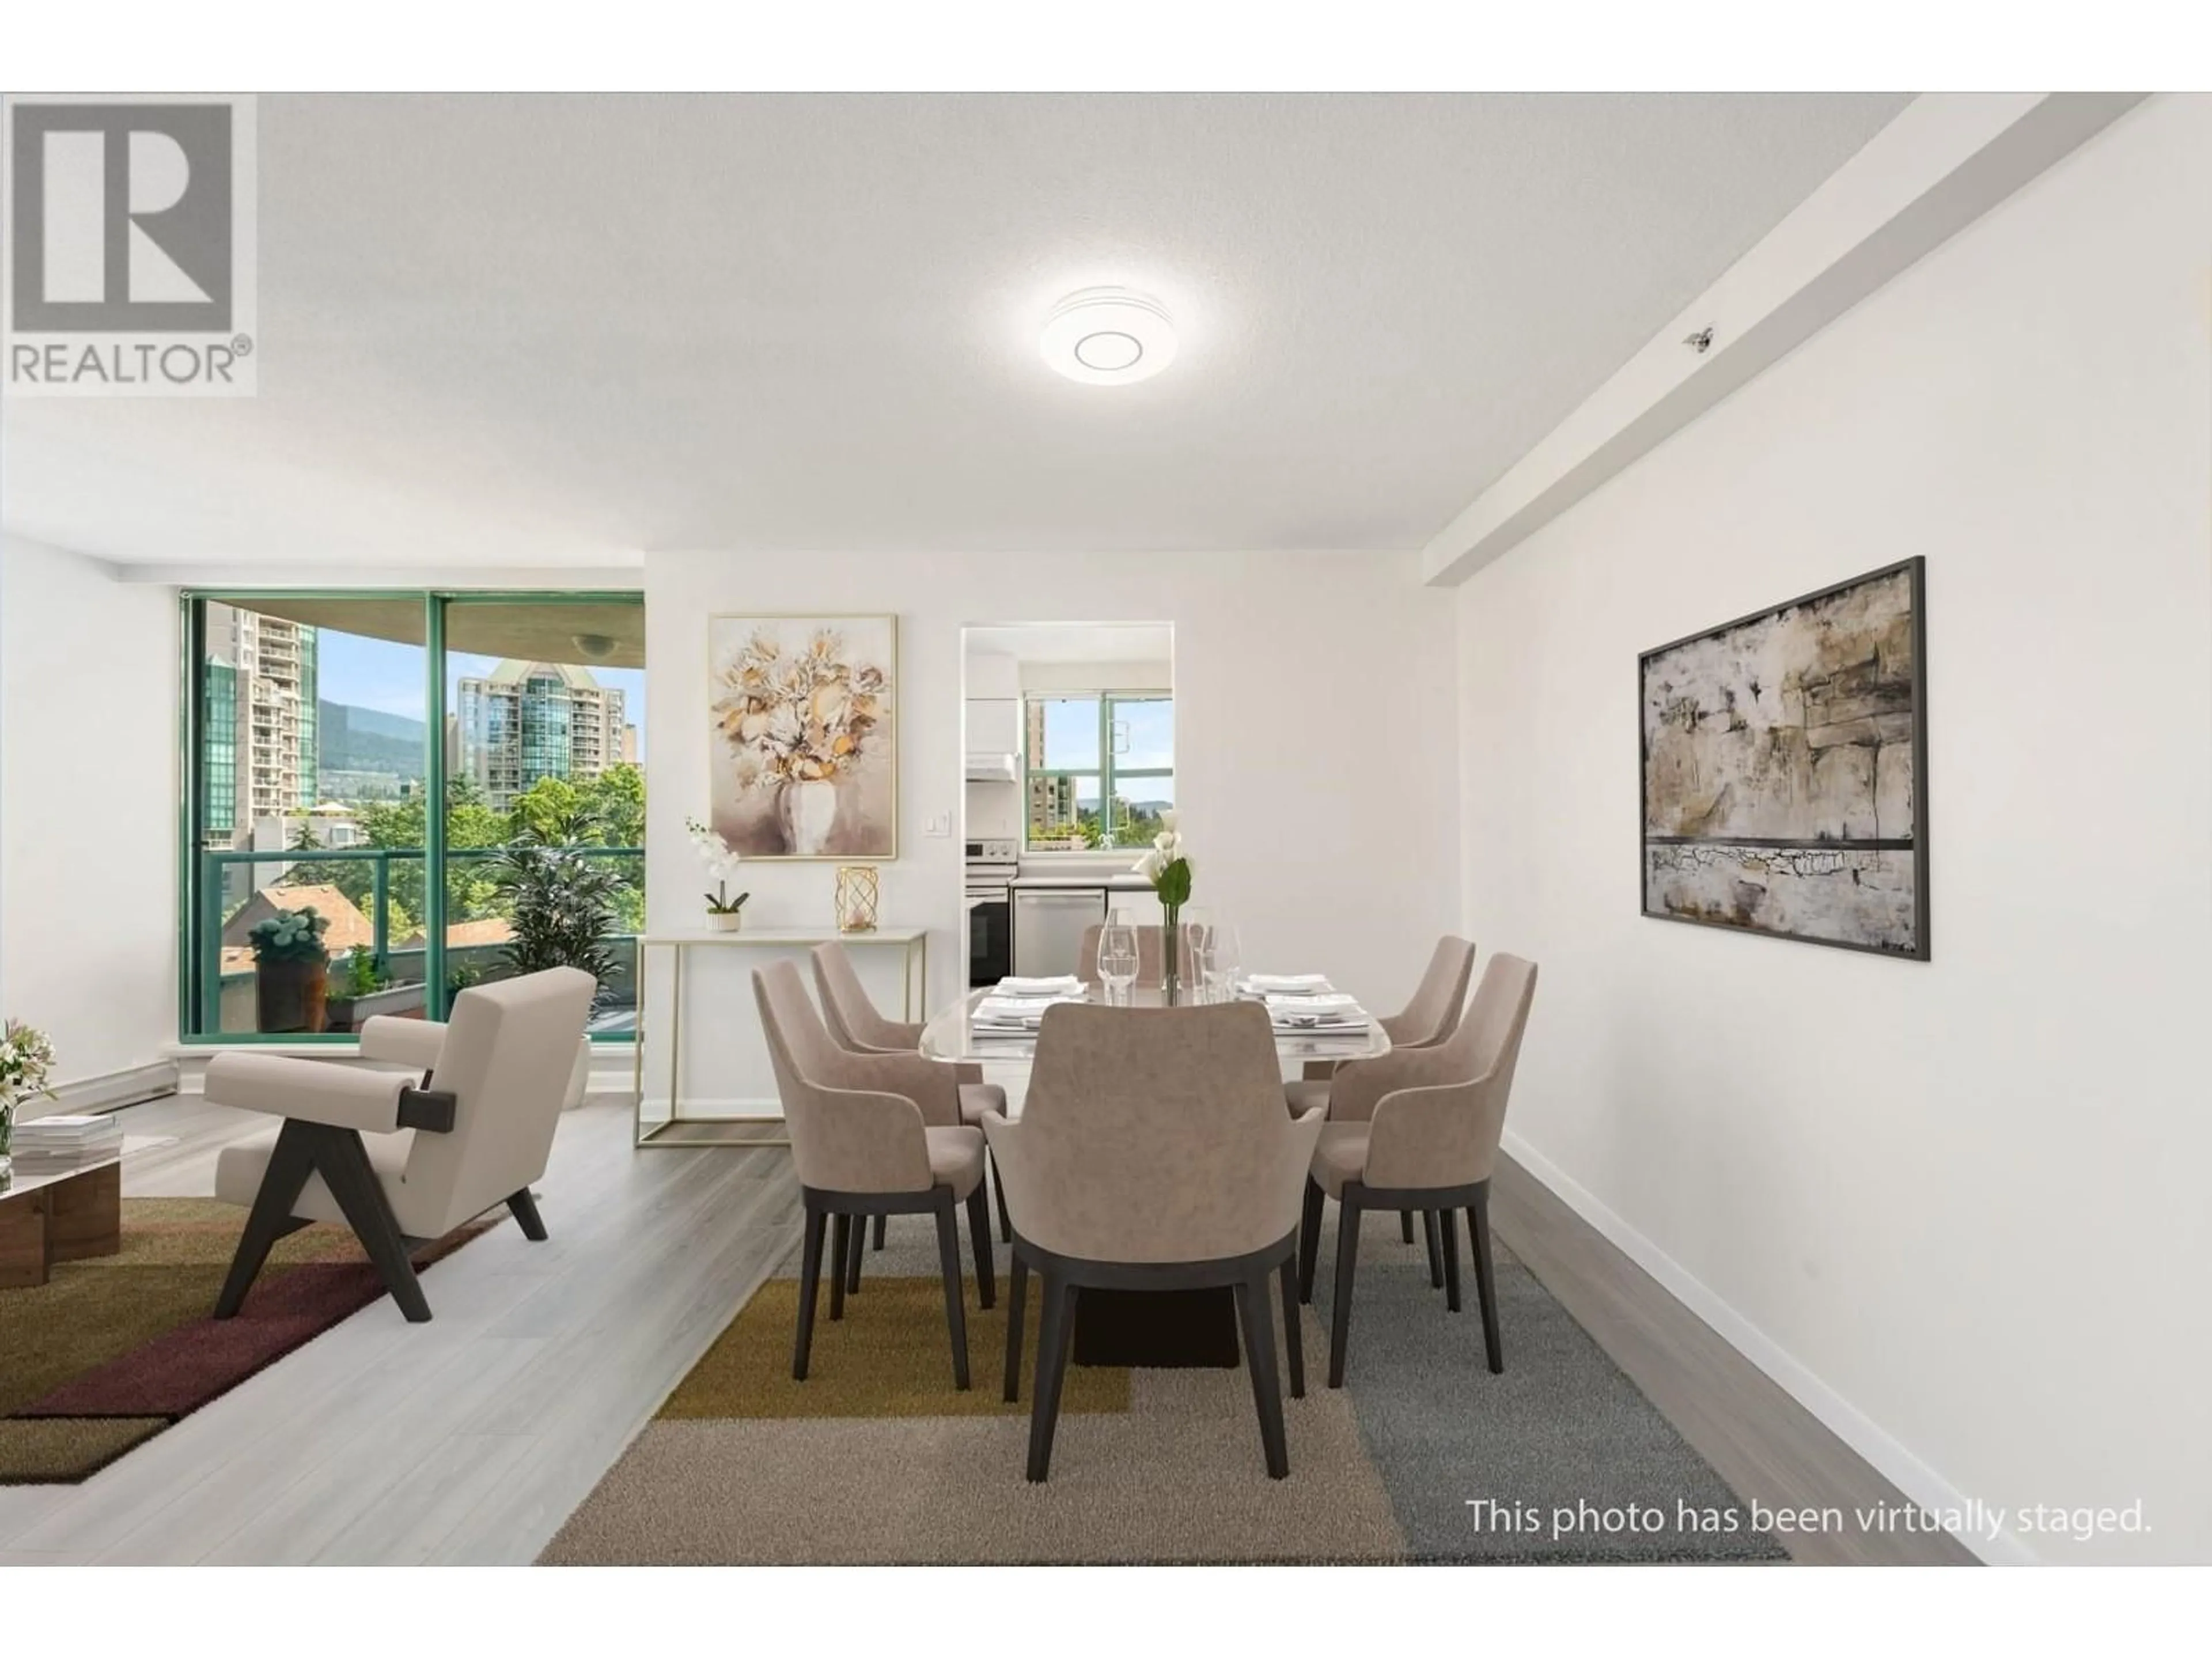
1108	337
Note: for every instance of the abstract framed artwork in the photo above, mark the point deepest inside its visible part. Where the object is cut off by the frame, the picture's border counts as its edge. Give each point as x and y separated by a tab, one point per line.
1784	766
803	717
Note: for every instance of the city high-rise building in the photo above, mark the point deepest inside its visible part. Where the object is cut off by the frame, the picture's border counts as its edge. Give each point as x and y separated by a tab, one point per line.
529	720
260	724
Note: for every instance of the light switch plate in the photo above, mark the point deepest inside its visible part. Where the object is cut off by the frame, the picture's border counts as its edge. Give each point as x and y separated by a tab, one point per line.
940	825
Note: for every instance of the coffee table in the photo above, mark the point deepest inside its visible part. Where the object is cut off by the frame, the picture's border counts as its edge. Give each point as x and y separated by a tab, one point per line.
65	1215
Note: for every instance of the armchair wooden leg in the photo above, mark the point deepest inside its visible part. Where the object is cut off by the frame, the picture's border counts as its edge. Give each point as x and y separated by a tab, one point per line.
1436	1251
999	1191
343	1162
525	1207
1254	1314
956	1312
1347	1263
290	1163
1449	1219
979	1244
1486	1277
858	1244
883	1228
809	1282
1294	1339
1054	1329
841	1246
1012	1391
1310	1238
1405	1224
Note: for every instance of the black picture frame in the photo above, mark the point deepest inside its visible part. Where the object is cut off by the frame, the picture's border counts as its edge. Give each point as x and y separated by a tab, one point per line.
1915	569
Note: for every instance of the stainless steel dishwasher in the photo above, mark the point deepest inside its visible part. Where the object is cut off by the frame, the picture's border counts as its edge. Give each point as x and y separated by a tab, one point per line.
1050	924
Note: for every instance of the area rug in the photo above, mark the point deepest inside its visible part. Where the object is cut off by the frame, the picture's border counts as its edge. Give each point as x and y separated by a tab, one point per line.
1424	1457
112	1351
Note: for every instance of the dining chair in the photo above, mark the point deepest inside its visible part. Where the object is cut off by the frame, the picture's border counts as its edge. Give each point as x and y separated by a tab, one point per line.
871	1134
403	1157
1153	1154
1427	1020
1418	1130
1148	954
857	1028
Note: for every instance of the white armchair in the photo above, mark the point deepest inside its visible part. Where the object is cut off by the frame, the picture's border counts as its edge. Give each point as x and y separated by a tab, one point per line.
403	1159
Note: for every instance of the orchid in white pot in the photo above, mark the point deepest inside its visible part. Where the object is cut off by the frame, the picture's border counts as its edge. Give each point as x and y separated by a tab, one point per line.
1166	866
27	1060
721	860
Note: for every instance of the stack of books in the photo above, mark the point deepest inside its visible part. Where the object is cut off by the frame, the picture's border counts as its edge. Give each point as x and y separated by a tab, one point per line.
56	1145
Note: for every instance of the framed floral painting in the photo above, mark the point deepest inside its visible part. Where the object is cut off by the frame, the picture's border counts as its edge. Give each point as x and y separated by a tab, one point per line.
804	735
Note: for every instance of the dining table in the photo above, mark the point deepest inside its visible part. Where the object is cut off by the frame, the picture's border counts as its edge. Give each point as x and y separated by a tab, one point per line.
1148	1329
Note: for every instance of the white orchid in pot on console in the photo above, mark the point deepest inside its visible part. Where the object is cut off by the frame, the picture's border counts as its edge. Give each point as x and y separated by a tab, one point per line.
721	860
1166	867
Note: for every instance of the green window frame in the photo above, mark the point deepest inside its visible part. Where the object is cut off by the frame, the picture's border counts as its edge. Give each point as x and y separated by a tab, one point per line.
1109	774
206	737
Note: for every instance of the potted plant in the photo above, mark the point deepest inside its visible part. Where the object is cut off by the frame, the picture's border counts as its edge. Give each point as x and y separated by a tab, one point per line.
365	990
561	907
721	860
26	1060
291	971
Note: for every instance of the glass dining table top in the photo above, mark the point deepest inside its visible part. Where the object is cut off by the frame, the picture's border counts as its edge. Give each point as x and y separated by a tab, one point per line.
951	1034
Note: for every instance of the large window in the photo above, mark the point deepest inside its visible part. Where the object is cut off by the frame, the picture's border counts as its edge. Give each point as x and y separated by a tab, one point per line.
323	725
1100	769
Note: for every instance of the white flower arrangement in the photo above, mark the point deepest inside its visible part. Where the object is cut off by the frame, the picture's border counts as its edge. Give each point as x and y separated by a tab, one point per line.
722	861
799	716
1166	865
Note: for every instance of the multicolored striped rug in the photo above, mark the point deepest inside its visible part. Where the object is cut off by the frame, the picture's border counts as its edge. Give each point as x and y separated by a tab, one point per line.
1422	1456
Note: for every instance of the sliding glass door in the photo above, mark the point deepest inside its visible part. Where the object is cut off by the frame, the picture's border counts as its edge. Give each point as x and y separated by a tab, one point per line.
320	727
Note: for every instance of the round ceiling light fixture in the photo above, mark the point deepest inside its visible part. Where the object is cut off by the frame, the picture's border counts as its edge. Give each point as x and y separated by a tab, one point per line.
1108	337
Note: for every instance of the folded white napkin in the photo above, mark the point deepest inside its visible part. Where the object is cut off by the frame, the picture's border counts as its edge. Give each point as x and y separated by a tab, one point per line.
1056	984
1286	983
1319	1002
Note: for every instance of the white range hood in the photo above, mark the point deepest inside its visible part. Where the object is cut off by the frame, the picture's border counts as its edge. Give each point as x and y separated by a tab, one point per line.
990	767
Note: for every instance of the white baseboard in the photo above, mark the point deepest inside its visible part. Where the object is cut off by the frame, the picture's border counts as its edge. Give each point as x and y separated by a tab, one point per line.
1901	1467
109	1092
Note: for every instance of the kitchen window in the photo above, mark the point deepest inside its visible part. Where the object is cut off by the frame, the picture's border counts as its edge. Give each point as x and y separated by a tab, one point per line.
1099	769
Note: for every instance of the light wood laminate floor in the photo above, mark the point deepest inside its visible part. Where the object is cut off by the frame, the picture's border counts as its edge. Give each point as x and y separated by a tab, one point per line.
470	1439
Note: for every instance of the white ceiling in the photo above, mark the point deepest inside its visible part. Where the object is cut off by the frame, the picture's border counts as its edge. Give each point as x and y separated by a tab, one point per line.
554	331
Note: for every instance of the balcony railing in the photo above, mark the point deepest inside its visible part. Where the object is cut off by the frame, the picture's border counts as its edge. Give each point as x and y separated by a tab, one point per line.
228	1001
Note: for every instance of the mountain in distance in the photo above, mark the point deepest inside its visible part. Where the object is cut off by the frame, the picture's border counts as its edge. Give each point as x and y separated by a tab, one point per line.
350	739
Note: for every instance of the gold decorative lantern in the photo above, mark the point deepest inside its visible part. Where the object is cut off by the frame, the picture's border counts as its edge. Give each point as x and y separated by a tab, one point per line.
856	898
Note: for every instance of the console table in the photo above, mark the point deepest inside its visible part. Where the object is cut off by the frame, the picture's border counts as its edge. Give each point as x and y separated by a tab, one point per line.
718	1128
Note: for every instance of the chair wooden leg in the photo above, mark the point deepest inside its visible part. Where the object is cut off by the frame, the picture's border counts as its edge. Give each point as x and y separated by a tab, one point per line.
1347	1261
1449	1220
979	1245
1054	1329
343	1162
1256	1316
1014	1309
841	1246
525	1208
1405	1224
1308	1238
1436	1250
956	1307
999	1191
809	1283
1294	1337
1486	1277
858	1248
882	1231
291	1161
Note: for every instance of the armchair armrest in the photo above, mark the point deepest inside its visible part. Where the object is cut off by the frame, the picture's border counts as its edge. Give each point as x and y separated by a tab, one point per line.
342	1097
933	1085
402	1041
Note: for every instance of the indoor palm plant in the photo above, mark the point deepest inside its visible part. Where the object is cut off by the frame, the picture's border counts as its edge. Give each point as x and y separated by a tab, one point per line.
26	1060
291	971
561	907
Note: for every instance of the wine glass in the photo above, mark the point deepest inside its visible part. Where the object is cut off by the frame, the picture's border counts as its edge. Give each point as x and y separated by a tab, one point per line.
1222	962
1117	960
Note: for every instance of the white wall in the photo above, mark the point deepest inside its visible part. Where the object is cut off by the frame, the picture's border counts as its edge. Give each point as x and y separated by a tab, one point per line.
88	809
1960	1207
1313	748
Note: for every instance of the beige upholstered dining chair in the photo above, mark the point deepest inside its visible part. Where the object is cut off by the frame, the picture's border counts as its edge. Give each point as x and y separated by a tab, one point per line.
403	1158
854	1023
1148	955
871	1134
1418	1129
1153	1154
